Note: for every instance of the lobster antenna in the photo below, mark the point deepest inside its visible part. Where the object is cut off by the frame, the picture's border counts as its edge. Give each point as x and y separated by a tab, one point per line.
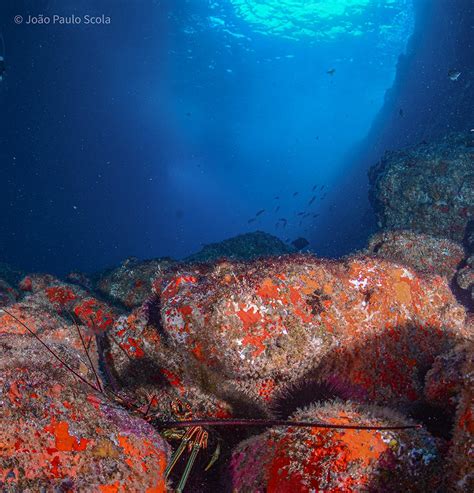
86	349
113	392
56	355
276	422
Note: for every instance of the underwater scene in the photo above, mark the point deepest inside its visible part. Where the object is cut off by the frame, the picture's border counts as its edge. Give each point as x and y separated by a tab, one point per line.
237	246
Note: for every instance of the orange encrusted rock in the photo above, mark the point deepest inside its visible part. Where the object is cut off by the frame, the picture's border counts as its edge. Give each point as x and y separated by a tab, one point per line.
58	434
301	460
364	324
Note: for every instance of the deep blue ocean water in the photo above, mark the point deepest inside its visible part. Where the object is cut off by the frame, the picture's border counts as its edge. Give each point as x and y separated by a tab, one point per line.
174	123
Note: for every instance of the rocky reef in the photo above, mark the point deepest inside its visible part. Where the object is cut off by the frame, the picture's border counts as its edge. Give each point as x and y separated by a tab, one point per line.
465	275
375	348
130	283
376	339
424	199
427	188
242	247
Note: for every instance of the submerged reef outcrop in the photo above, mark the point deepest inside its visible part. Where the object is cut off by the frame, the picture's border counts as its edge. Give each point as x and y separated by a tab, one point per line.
130	283
424	253
427	188
247	246
378	338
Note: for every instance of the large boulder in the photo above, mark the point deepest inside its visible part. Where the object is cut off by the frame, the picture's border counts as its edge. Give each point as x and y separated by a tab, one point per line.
130	283
59	434
61	431
427	188
465	276
368	326
301	460
424	253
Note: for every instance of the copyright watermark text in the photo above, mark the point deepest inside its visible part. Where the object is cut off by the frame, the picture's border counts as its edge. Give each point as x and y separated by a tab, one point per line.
68	20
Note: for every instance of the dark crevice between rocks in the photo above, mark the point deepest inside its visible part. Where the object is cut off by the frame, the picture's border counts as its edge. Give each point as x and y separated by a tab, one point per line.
142	372
436	420
215	479
463	296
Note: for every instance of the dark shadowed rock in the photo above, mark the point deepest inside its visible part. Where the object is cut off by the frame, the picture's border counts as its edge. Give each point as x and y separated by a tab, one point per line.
242	247
300	243
427	188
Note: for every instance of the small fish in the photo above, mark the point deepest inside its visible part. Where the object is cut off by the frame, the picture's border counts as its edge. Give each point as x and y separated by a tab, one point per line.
300	243
260	212
315	215
277	197
400	112
454	74
295	194
331	71
300	213
251	220
312	200
314	188
322	187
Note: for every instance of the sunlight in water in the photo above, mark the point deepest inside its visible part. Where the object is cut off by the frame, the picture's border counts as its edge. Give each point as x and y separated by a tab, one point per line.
324	19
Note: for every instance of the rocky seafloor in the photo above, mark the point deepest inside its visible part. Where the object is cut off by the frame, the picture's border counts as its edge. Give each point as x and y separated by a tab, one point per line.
248	329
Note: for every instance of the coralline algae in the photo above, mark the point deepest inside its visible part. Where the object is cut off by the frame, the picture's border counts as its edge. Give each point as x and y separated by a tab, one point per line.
381	331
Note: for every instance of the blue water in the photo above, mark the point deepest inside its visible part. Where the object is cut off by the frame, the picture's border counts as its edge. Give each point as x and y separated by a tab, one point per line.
174	124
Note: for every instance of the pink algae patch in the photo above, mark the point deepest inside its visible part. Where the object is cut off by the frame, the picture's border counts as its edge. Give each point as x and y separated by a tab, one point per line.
173	287
94	315
268	289
132	347
173	379
64	441
249	317
110	488
60	295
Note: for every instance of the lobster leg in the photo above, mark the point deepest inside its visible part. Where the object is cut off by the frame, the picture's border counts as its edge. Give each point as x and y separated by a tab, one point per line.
177	454
200	441
189	466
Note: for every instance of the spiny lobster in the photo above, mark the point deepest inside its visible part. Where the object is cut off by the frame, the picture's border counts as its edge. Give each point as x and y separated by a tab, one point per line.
192	433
